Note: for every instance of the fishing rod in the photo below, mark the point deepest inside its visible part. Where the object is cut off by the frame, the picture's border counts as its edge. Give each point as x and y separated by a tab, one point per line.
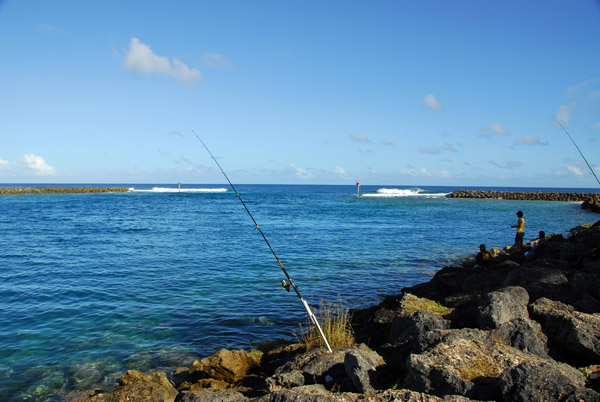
580	153
285	284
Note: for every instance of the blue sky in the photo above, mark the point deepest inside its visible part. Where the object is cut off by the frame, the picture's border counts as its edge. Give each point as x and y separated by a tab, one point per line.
460	93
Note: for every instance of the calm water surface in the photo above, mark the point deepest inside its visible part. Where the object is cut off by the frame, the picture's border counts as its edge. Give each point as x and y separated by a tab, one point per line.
94	284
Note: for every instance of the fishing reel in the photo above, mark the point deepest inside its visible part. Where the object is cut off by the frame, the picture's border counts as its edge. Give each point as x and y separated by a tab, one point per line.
285	285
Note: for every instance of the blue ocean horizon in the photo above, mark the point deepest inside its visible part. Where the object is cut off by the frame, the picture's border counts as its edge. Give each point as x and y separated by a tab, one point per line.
95	284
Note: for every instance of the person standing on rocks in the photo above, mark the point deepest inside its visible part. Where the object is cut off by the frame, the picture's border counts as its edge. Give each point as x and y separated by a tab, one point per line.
520	231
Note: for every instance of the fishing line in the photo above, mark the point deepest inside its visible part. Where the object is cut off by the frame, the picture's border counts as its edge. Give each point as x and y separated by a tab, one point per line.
285	284
580	153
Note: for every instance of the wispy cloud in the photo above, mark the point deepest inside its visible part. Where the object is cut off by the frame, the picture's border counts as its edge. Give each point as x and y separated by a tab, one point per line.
429	150
496	128
49	28
432	102
447	147
575	170
425	173
389	144
360	138
215	60
507	165
301	173
29	165
529	140
141	59
596	126
563	114
340	171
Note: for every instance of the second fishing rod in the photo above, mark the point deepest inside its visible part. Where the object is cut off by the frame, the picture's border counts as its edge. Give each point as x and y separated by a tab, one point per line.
286	284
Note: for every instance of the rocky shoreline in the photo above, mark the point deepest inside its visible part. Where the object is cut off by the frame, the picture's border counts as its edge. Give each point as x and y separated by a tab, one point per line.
61	190
590	201
524	328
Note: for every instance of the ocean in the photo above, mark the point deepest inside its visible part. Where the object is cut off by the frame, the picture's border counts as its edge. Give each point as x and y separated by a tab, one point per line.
92	285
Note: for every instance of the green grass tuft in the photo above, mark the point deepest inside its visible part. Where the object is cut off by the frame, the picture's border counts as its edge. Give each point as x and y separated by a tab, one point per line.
334	319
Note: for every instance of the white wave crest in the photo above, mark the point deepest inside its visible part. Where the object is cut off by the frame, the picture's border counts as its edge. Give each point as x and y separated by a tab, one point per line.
396	192
183	190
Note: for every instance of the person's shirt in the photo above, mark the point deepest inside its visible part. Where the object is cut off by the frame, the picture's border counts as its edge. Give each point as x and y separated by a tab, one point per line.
521	225
483	258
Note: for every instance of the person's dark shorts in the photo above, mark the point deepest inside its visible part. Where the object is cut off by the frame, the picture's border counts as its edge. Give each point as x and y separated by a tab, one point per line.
519	239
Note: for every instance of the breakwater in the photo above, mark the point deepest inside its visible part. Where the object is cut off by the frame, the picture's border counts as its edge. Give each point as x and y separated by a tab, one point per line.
590	201
519	195
61	190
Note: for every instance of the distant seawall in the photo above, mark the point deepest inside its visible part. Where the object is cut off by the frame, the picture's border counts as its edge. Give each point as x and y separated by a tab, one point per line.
590	201
61	190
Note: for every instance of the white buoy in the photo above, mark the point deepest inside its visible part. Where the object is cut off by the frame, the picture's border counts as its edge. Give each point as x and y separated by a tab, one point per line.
357	189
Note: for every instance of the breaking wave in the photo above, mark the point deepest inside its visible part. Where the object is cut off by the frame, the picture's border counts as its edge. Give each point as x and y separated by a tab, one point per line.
177	190
396	192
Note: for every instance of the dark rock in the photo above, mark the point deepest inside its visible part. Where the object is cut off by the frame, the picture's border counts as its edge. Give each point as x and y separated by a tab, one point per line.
542	278
307	393
501	306
544	381
573	332
290	379
414	329
523	334
206	395
361	365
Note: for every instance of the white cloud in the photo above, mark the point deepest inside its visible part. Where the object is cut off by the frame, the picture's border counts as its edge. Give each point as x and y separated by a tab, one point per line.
215	60
529	140
29	165
596	126
429	150
563	114
508	165
303	174
575	170
424	173
389	143
435	150
450	148
341	171
360	138
495	128
432	102
141	59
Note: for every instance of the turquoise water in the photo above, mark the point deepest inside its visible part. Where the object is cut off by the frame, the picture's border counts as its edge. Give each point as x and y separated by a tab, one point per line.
94	284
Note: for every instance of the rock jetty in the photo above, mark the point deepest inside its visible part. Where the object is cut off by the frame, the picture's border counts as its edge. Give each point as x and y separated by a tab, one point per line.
590	201
61	190
526	327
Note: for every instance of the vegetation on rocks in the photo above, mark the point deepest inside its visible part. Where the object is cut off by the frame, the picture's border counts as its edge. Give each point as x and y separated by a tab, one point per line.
334	319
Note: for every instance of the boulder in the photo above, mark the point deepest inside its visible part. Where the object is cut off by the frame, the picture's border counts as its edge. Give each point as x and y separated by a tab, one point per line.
414	329
289	379
209	395
501	306
465	362
318	395
306	393
575	333
361	365
542	278
523	334
136	386
226	365
544	381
